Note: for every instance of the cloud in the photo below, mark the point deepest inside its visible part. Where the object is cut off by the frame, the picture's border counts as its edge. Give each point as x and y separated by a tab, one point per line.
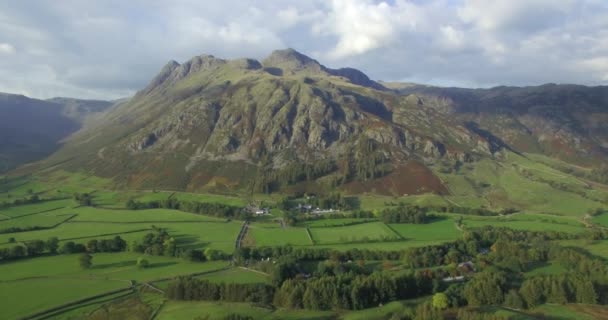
113	48
360	26
6	48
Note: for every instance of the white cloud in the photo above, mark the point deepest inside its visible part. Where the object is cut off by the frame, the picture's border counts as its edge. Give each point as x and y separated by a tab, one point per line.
112	48
6	48
359	25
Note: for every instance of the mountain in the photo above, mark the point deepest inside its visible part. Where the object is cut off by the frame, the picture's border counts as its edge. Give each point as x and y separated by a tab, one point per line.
31	129
288	122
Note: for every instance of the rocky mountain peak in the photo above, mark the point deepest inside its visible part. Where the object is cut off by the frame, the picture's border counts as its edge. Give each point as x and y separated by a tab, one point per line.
291	60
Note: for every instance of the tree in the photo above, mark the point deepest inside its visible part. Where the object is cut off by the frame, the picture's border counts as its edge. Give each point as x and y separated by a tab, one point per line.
52	244
142	263
426	311
85	260
34	247
514	300
212	254
440	301
92	245
12	240
532	293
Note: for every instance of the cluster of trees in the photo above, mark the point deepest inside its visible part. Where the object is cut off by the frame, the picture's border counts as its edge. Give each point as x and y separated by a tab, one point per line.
298	172
368	162
461	210
21	229
312	254
33	198
405	214
36	248
333	200
558	289
348	291
599	174
156	243
269	180
188	288
84	199
207	208
106	245
339	283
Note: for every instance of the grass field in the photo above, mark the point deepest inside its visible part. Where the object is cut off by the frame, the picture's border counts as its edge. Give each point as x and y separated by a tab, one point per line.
519	182
533	222
596	247
138	216
236	275
439	230
374	231
602	220
178	310
515	182
37	208
271	234
548	268
323	223
116	266
32	295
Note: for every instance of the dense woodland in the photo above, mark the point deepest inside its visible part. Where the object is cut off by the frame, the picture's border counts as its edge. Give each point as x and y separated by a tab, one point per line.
341	280
405	214
207	208
365	161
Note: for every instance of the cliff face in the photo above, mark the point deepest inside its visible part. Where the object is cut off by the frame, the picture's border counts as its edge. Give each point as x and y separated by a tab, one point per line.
221	124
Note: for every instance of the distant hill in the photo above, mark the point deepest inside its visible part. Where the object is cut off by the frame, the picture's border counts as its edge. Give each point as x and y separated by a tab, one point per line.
289	123
31	129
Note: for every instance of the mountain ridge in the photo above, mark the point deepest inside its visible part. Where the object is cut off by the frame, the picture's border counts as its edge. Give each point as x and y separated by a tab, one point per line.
289	122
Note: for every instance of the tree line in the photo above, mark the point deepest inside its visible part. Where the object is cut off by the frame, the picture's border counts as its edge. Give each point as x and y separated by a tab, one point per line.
189	288
405	214
207	208
34	248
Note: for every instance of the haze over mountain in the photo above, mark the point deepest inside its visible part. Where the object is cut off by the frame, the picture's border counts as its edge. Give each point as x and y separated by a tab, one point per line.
31	129
290	122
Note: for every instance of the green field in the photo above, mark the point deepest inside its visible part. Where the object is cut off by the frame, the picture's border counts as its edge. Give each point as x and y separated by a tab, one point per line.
114	266
323	223
372	231
271	234
138	216
439	230
178	310
601	220
546	269
533	222
596	247
33	295
37	208
31	280
236	275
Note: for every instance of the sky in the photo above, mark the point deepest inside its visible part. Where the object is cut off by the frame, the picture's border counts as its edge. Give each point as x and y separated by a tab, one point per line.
110	49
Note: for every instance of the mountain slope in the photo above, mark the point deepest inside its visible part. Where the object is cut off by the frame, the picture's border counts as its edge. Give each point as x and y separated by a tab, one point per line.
564	121
289	122
31	129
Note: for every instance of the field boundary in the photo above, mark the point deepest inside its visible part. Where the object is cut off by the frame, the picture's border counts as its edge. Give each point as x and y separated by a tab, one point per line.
241	235
312	240
74	303
394	231
105	234
146	221
35	213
